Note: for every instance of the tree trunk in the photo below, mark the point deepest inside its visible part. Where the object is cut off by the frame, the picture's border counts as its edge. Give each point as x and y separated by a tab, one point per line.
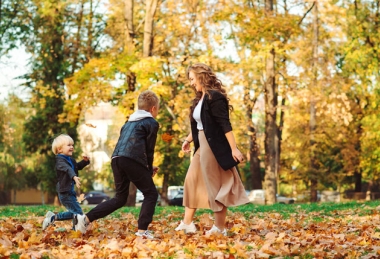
270	129
312	124
278	144
14	196
359	132
130	30
358	181
90	36
254	161
270	121
131	80
42	197
164	191
77	40
151	6
268	5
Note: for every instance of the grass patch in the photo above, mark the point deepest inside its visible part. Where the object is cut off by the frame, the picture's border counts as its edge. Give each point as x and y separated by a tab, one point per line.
285	210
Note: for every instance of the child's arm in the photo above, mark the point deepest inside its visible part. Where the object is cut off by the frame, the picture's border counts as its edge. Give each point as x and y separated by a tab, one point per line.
77	181
155	170
82	164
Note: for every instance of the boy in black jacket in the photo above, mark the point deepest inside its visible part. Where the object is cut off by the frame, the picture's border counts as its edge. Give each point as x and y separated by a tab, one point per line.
132	161
66	169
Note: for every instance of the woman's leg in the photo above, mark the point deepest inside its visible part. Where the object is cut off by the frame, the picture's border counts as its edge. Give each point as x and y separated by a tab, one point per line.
195	193
220	218
187	224
213	176
189	215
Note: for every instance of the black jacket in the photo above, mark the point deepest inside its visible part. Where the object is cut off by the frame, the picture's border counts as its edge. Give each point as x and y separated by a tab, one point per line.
216	123
137	140
65	172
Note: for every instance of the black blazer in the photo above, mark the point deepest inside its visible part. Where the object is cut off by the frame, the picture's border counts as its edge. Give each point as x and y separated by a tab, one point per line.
216	123
65	172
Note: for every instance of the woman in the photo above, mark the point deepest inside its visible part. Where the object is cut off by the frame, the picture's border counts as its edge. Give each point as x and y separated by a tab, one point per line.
212	171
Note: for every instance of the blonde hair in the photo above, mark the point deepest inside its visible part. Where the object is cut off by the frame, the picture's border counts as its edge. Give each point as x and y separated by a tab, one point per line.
147	99
60	141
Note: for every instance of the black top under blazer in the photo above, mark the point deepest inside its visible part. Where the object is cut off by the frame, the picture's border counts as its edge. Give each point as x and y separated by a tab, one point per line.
216	123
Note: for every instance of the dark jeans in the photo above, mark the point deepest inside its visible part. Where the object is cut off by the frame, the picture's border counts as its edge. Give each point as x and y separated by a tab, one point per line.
126	170
69	200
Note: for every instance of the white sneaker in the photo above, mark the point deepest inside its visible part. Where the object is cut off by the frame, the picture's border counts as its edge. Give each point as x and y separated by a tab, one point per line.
47	220
191	228
215	229
146	234
80	223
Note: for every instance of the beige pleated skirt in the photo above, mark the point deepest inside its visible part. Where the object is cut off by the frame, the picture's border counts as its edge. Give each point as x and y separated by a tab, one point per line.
208	186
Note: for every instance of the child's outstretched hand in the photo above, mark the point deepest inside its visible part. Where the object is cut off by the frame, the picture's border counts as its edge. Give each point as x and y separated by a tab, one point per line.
86	158
155	170
77	181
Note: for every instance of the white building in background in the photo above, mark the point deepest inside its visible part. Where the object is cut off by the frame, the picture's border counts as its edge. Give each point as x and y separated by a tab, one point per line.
93	134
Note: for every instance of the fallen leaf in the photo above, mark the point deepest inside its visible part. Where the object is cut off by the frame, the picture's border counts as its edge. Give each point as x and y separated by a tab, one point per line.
167	137
90	125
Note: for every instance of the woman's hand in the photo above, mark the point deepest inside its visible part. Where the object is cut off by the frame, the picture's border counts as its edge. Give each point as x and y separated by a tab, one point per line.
237	155
186	146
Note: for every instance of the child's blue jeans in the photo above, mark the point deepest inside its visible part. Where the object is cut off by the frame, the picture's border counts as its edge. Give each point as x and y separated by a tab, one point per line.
69	200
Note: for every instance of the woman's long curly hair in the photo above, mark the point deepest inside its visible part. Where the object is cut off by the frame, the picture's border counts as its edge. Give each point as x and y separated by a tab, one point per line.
209	81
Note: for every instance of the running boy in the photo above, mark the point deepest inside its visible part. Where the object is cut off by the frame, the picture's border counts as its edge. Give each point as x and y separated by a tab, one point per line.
66	169
132	161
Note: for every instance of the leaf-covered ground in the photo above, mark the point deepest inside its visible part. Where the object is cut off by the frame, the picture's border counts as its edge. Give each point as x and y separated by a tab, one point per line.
287	231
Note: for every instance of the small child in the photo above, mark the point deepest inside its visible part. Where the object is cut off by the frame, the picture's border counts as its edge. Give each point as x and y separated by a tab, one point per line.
66	169
132	161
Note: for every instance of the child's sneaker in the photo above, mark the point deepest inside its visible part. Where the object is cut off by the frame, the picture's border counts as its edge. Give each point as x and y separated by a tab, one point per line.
80	223
191	228
47	220
215	229
146	234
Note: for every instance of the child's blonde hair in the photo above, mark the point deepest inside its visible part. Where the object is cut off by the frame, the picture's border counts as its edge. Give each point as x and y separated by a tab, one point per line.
147	99
59	141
